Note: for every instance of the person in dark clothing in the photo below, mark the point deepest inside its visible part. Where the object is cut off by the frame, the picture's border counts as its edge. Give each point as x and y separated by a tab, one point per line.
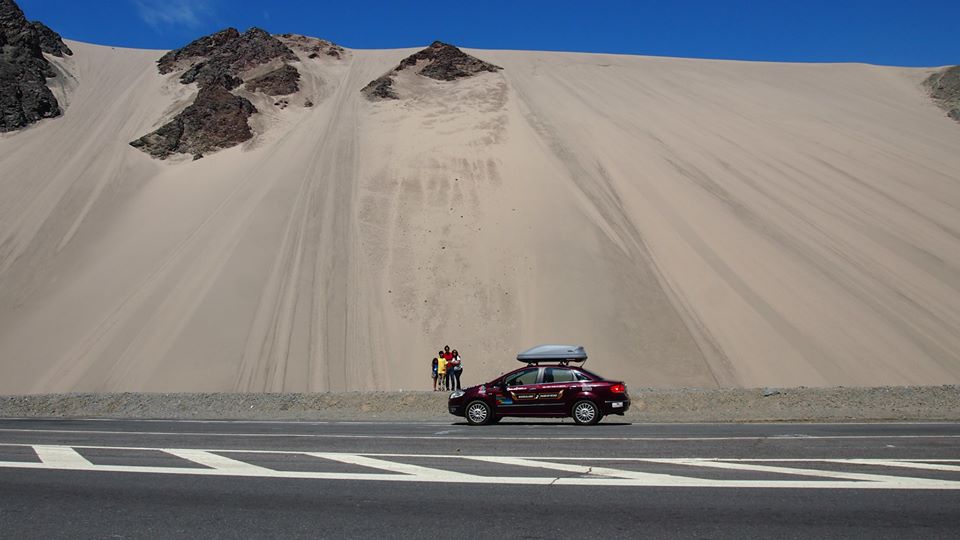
433	374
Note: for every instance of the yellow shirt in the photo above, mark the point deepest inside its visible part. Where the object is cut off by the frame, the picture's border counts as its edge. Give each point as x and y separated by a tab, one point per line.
441	366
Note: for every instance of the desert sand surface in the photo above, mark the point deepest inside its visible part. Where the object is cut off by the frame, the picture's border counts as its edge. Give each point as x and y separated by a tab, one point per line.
691	222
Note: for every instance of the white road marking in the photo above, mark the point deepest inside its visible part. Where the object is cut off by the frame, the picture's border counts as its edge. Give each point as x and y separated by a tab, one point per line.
465	438
201	421
392	466
739	466
214	461
549	458
659	479
838	460
60	457
903	464
269	473
66	458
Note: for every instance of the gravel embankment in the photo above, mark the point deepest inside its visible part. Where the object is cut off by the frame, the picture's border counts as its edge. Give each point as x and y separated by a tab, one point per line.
649	405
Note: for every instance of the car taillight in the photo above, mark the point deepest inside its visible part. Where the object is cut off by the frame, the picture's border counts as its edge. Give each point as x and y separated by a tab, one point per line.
619	388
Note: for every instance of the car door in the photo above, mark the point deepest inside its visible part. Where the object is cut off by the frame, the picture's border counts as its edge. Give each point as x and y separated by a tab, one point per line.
519	396
554	391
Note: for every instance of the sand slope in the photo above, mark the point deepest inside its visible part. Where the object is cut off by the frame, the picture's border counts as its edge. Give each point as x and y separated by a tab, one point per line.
693	223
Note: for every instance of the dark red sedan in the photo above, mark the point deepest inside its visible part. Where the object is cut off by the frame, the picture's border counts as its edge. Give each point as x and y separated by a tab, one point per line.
544	391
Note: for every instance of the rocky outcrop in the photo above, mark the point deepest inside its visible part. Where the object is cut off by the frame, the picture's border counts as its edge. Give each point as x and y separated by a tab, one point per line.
197	50
222	57
440	61
218	64
380	88
312	47
25	97
50	41
944	88
216	120
445	63
279	82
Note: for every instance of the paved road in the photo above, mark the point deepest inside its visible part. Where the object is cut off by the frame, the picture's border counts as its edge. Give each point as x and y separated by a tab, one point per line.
104	478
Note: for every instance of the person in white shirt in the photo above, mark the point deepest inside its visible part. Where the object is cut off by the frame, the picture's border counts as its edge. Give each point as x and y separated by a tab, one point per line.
457	367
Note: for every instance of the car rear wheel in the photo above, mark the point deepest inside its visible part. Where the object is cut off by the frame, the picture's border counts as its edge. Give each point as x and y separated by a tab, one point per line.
479	413
586	412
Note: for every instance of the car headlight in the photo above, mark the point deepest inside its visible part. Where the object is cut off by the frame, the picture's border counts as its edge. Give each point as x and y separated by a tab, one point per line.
456	393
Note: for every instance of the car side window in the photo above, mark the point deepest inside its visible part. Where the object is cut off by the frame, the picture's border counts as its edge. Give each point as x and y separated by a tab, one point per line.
581	377
520	378
558	375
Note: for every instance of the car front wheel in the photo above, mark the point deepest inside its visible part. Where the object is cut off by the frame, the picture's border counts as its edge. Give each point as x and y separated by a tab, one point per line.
479	413
586	413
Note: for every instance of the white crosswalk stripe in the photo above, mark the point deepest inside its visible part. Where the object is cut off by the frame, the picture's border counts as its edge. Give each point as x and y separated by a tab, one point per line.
401	468
215	461
900	464
739	466
579	471
654	478
60	457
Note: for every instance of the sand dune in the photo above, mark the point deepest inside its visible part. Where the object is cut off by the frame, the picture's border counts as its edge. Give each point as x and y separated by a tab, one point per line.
691	222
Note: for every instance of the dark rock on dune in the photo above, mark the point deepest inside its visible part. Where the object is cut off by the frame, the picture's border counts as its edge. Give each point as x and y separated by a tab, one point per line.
314	47
50	41
216	120
440	61
380	88
12	19
208	73
944	88
25	97
945	85
445	62
228	53
279	82
217	63
204	47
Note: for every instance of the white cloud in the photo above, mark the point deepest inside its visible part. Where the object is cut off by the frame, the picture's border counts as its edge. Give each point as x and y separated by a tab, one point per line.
160	13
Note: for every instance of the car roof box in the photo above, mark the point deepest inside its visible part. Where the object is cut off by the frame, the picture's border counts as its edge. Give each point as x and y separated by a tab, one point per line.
553	353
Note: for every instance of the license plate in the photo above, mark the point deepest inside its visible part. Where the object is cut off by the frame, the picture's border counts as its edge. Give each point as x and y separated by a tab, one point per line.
616	404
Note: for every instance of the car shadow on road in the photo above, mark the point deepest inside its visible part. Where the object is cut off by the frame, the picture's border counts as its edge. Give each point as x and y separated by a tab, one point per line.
529	423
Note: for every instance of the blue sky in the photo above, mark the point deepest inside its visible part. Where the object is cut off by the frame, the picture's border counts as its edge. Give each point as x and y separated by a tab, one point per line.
888	32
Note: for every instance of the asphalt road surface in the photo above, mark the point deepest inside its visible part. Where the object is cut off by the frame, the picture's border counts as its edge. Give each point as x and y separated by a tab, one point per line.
153	479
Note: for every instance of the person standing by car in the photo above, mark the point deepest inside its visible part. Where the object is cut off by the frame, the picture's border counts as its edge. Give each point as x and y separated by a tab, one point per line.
442	371
448	358
433	373
457	367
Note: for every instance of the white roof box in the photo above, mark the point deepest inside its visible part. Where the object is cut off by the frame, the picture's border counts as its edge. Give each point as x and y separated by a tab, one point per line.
553	353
